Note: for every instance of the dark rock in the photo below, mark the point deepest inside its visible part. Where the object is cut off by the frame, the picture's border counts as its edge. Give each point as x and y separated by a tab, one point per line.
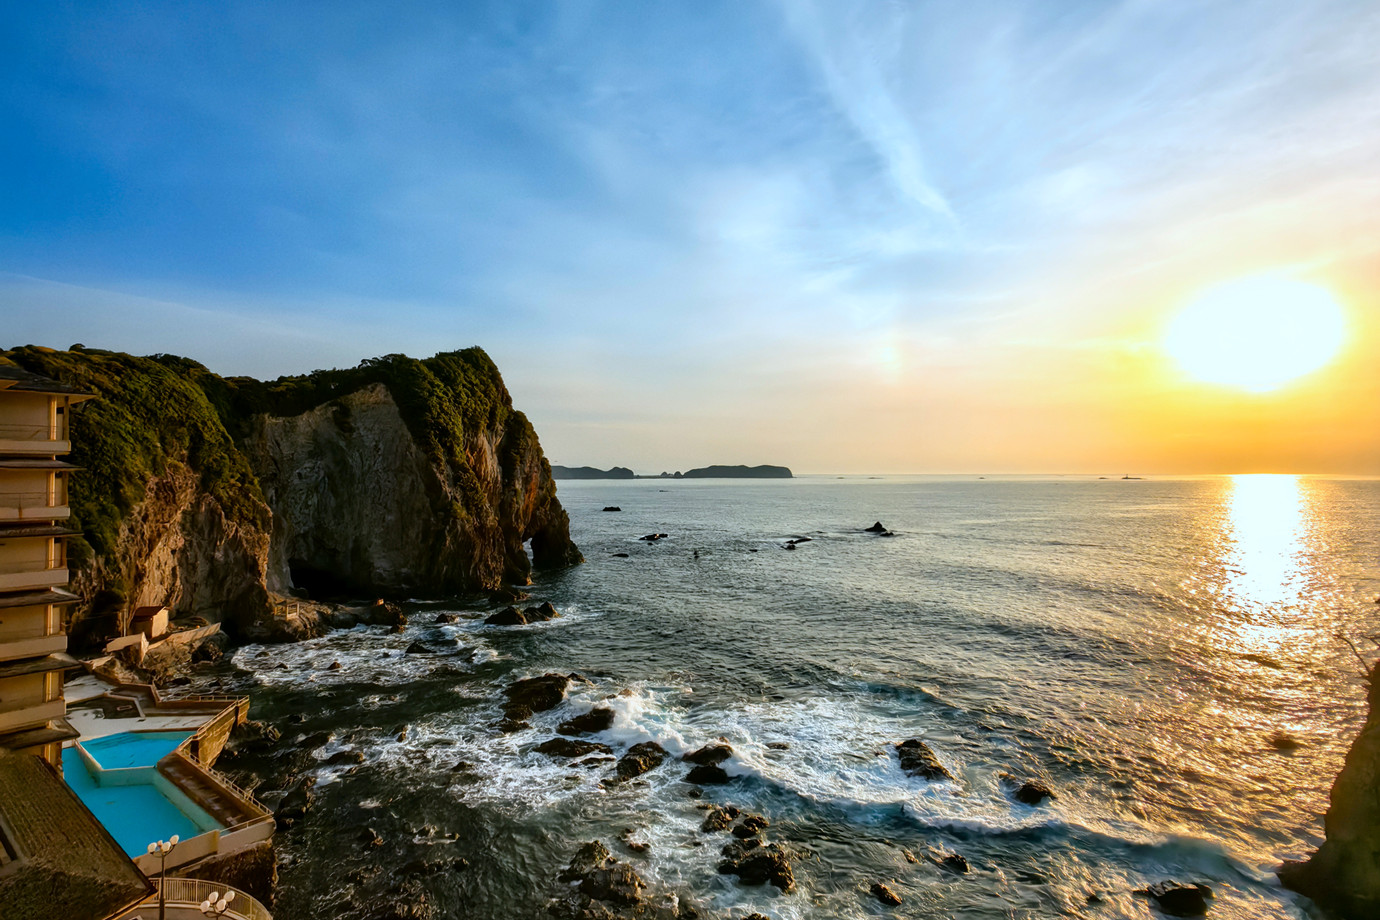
1027	792
653	537
884	894
756	863
508	726
508	595
416	648
878	527
619	555
444	618
335	666
508	616
707	775
750	826
955	862
1283	741
779	745
886	534
541	613
596	720
591	763
370	838
535	694
1179	900
718	819
602	877
612	508
564	747
340	757
918	760
639	759
709	754
790	546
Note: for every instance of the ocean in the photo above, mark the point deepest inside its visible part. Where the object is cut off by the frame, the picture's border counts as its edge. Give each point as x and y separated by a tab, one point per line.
1169	657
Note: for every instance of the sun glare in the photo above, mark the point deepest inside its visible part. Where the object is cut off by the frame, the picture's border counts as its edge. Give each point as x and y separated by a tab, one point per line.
1258	333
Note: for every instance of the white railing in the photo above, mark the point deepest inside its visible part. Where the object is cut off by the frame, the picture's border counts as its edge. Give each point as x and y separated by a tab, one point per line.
192	892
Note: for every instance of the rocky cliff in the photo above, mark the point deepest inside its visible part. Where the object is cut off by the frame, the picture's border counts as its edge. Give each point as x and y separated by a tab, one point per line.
1344	875
400	477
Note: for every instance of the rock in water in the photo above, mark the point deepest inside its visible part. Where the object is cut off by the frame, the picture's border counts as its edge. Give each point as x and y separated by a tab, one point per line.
564	747
535	694
709	754
1179	900
918	760
596	720
639	759
612	508
884	894
707	775
757	863
878	527
508	616
718	818
1027	792
541	613
1344	875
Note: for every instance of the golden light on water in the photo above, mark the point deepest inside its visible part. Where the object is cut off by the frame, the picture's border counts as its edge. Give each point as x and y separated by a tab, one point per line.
1257	334
1265	514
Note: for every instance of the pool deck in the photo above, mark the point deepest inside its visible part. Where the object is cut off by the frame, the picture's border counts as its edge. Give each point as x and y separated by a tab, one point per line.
99	718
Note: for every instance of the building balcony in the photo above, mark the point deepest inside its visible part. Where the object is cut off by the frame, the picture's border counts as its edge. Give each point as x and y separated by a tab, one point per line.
32	576
183	897
32	646
32	716
34	440
32	506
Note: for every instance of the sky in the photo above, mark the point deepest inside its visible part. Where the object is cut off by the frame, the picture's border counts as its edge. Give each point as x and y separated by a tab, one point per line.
845	236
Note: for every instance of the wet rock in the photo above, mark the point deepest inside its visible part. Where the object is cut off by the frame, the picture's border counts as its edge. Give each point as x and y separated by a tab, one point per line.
955	862
639	759
370	838
508	726
335	666
445	618
535	694
508	595
885	895
296	803
653	537
612	508
756	863
918	760
603	878
709	755
508	616
750	826
878	527
343	757
344	619
910	857
1179	900
619	555
541	613
596	720
1027	792
718	819
1283	741
416	648
779	745
707	775
564	747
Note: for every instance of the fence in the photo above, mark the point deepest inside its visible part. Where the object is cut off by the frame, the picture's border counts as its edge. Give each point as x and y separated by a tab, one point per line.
191	892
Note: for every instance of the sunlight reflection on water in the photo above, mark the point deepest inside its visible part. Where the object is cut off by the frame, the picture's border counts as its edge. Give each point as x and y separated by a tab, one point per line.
1268	525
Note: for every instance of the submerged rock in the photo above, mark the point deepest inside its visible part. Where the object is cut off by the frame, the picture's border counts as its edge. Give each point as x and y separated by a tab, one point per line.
955	862
596	720
1179	900
918	760
565	747
416	648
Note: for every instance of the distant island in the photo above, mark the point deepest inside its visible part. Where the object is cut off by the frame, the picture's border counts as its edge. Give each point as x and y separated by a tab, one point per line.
704	472
589	472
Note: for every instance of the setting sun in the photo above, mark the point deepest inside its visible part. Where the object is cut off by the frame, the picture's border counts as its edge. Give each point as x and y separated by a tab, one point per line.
1258	333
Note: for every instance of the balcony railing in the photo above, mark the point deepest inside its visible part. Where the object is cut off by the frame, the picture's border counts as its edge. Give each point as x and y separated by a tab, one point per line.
192	892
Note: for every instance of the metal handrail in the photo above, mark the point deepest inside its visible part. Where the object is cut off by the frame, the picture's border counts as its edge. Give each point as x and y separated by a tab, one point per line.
192	892
223	780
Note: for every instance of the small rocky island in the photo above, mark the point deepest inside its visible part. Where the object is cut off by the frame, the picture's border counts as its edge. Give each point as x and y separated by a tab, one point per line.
716	471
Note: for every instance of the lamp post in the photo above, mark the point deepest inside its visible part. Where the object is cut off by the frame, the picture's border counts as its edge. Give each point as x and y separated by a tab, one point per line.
161	849
217	904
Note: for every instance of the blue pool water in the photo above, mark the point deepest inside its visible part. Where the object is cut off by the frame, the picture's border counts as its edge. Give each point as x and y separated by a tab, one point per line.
134	749
139	813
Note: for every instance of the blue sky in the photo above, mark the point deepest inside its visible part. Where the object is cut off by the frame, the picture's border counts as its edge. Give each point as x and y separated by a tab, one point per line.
836	235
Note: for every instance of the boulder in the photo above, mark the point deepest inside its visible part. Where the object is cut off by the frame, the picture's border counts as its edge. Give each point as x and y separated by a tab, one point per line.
534	694
541	613
955	862
619	555
416	648
597	875
1027	792
596	720
918	760
718	819
884	894
653	537
445	618
707	775
565	747
342	757
1179	900
639	759
756	863
709	755
750	826
878	527
612	508
508	616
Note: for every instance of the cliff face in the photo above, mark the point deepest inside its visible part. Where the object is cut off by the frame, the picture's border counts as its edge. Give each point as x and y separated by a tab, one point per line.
396	478
1344	875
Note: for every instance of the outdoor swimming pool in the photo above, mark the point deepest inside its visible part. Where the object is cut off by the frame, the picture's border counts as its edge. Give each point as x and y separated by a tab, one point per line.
127	794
